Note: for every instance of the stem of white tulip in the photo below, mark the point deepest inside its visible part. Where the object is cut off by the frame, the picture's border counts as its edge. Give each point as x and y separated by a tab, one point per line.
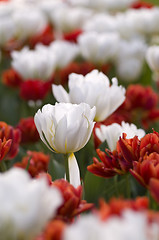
72	170
67	167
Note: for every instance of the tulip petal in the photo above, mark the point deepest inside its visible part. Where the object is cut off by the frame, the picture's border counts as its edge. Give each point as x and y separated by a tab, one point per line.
154	188
60	93
74	171
38	123
60	136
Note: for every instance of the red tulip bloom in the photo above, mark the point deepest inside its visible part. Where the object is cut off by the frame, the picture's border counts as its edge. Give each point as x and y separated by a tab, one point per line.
117	162
117	206
154	188
45	37
11	78
29	133
34	90
53	231
139	4
73	204
109	165
37	162
72	36
142	97
140	107
146	168
5	146
7	132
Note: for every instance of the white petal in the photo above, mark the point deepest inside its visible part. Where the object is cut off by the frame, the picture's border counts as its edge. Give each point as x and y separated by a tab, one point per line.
39	122
60	136
60	93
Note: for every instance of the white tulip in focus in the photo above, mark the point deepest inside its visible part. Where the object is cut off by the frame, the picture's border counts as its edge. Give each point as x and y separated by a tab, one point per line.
152	57
111	133
33	64
93	89
65	127
99	48
26	204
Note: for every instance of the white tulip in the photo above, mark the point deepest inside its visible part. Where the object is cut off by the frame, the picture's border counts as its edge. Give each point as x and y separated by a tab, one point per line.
65	127
49	7
64	52
99	48
7	26
152	57
141	22
93	89
134	48
26	204
100	23
125	69
86	227
68	18
146	21
131	225
33	64
131	55
111	133
103	4
28	21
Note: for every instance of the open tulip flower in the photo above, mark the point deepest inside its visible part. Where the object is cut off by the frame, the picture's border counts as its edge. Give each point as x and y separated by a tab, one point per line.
93	89
66	128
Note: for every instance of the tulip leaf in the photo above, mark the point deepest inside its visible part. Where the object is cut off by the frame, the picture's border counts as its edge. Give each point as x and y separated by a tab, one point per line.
9	108
56	169
93	187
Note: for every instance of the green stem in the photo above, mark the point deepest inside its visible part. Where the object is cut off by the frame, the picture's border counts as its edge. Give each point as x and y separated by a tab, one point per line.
66	167
116	185
128	190
3	167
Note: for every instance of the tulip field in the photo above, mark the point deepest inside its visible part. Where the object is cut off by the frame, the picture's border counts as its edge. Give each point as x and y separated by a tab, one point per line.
79	120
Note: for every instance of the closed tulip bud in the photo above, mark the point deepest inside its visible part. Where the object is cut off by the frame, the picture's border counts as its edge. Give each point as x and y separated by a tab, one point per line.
65	127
